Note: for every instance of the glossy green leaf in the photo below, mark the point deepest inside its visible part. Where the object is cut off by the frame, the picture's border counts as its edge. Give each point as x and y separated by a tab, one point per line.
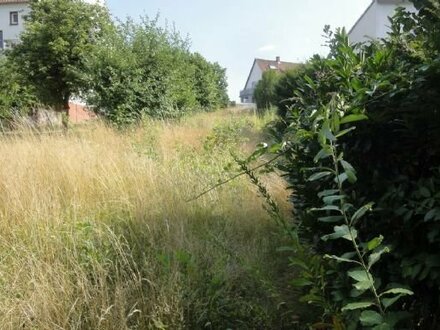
370	318
349	255
398	291
351	176
310	81
387	302
375	257
322	154
277	147
332	199
355	293
341	232
383	326
361	212
363	285
357	305
341	259
347	166
320	175
345	131
331	219
359	275
328	192
374	243
327	133
353	118
327	208
349	171
432	214
335	123
341	178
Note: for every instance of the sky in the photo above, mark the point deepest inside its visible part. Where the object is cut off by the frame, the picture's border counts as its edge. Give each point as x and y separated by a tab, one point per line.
234	32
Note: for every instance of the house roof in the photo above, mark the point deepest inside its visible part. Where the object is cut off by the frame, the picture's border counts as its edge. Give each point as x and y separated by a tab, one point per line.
266	65
12	1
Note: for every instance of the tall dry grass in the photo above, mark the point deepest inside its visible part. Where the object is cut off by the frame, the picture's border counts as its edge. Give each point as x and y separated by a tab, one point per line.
96	231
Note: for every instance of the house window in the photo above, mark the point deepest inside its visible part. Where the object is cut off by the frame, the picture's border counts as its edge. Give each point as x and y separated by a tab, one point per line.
13	18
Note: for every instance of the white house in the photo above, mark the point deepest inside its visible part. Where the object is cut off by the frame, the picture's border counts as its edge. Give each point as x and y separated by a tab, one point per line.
374	23
12	14
12	20
258	68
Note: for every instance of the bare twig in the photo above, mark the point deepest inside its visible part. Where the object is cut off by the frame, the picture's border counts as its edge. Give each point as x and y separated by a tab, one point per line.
232	179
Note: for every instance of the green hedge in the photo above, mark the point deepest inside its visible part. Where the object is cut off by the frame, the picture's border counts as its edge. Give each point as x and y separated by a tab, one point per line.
141	69
386	95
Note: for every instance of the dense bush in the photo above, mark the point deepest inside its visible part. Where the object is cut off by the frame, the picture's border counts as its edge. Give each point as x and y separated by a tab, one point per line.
370	113
144	69
16	97
275	88
264	93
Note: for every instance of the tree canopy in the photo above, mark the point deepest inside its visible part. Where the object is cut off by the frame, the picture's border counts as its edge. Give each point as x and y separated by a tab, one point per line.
54	46
141	69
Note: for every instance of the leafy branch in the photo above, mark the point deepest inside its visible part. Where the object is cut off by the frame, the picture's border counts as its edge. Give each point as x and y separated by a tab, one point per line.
331	123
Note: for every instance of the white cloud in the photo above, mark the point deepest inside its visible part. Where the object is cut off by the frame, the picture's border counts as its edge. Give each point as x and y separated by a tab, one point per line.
266	48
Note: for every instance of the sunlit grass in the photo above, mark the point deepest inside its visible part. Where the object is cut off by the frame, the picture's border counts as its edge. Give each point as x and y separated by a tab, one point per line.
96	231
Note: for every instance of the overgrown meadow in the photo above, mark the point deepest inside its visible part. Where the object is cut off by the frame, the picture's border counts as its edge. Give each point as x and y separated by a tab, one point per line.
100	227
97	230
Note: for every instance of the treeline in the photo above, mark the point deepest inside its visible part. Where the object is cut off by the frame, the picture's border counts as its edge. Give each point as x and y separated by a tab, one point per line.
123	70
360	140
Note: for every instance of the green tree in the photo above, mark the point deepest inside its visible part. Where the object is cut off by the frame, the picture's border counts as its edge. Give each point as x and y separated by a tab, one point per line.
221	84
16	97
58	36
264	93
210	83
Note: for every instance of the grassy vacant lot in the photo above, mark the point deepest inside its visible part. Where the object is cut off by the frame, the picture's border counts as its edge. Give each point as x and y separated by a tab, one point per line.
96	232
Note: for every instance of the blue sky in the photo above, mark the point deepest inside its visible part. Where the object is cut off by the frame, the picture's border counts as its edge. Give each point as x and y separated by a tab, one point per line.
234	32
